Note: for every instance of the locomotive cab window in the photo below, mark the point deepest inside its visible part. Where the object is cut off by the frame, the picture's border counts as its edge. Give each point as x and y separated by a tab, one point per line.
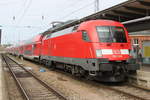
85	36
111	34
48	36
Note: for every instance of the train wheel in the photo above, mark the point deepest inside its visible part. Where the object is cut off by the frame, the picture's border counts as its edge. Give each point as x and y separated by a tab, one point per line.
65	68
88	77
40	62
132	72
73	70
52	65
80	72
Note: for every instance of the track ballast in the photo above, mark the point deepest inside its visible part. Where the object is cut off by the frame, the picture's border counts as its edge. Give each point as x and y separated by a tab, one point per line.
30	85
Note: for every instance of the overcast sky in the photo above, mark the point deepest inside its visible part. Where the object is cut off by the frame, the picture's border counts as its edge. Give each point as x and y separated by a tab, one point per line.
17	15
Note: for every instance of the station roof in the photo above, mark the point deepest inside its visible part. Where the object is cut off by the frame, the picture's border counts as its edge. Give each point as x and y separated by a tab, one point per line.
129	10
145	33
124	12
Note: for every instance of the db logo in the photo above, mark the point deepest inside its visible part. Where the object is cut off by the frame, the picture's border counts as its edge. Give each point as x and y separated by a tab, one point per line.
116	51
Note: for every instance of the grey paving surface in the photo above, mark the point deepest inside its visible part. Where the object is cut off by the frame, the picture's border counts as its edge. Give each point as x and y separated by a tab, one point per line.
1	95
3	92
145	68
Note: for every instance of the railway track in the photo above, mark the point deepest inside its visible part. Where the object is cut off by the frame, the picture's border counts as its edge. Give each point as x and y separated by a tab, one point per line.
131	91
31	86
127	90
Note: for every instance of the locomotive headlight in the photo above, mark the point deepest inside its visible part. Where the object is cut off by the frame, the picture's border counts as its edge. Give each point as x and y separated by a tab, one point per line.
124	51
99	53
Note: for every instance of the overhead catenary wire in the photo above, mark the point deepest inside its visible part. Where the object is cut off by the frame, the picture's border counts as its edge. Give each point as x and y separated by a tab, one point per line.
23	14
27	4
9	3
14	26
70	6
74	3
19	26
77	10
43	17
14	17
25	10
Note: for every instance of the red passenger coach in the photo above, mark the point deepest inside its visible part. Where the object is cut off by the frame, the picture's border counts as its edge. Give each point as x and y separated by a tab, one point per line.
29	49
32	48
98	49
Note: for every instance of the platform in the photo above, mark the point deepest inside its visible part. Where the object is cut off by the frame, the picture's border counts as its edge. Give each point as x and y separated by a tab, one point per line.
145	68
3	92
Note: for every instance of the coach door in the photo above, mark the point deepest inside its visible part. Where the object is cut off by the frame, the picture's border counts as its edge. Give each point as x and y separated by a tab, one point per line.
33	48
49	46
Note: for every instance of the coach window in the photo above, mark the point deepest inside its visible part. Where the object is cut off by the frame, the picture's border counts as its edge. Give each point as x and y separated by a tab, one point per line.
85	36
48	36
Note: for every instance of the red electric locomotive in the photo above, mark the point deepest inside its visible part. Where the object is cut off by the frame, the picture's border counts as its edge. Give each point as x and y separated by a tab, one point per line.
98	49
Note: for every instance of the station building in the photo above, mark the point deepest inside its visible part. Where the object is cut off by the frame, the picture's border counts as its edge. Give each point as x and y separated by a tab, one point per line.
141	45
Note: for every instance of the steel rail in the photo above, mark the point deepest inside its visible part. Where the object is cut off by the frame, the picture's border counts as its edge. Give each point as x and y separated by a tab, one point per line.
139	87
58	94
100	85
125	93
17	81
97	84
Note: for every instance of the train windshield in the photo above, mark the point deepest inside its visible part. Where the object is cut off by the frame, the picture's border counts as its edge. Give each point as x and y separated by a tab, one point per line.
111	34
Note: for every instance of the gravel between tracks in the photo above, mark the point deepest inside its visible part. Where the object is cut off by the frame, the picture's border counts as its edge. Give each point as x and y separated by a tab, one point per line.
135	91
74	89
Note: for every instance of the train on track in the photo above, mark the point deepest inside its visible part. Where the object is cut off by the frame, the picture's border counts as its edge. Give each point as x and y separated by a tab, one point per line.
97	49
